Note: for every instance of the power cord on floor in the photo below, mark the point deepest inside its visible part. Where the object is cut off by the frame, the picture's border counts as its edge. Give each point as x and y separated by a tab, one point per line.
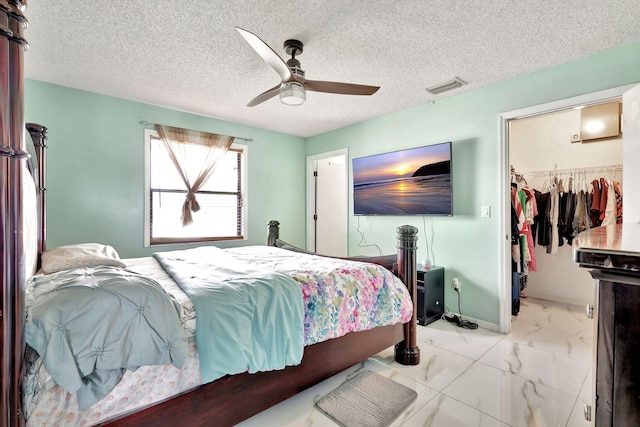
457	318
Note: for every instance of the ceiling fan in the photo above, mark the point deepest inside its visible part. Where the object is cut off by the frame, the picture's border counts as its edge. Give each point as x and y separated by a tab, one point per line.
292	89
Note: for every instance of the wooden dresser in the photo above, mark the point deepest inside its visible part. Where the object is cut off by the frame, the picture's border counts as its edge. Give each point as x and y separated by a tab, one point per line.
612	253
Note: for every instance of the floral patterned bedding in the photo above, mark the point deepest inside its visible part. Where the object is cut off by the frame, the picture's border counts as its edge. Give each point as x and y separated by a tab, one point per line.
340	296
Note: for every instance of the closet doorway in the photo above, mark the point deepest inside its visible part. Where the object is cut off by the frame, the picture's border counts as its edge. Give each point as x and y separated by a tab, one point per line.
548	158
542	138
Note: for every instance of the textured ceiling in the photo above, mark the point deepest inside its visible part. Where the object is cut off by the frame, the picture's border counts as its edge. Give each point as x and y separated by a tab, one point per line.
188	56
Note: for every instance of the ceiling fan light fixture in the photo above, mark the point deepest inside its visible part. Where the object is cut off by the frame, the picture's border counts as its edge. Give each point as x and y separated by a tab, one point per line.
292	93
443	87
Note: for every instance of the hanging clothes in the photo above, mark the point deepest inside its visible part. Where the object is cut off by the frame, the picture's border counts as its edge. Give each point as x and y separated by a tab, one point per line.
543	219
523	209
581	219
609	216
530	212
562	211
570	202
553	215
554	210
521	254
604	199
596	198
618	197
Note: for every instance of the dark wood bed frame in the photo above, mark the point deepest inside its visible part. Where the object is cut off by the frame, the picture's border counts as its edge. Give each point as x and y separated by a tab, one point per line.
224	402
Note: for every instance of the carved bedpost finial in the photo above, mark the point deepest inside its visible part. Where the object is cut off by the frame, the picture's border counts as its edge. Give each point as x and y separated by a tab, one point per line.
273	232
407	351
37	132
407	236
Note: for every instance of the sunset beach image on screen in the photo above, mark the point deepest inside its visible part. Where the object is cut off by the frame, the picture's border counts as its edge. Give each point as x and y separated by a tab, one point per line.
415	181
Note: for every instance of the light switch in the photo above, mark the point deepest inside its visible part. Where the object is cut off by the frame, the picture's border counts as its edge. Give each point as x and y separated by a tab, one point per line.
485	212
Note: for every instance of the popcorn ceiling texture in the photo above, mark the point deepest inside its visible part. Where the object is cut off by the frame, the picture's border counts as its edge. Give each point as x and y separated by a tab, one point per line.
188	56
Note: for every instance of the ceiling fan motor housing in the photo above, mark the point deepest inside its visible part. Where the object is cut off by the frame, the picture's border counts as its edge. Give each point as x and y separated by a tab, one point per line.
295	68
294	47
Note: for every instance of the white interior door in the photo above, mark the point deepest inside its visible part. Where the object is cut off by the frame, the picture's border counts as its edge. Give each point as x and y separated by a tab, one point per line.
631	154
327	203
331	208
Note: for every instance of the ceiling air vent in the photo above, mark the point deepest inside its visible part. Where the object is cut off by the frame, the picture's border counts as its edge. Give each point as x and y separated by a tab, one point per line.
443	87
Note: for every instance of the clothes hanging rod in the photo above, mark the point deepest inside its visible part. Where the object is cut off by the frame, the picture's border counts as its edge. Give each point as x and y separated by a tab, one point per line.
587	169
150	124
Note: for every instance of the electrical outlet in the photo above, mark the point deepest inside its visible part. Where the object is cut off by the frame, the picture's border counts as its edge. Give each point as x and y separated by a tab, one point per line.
456	284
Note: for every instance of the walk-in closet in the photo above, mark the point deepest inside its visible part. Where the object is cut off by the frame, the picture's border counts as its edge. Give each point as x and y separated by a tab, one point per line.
566	176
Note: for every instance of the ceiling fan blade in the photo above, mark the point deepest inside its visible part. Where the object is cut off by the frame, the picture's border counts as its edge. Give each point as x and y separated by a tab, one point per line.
267	54
268	94
340	88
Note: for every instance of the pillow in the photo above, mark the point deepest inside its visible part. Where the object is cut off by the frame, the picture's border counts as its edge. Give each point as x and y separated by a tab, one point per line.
78	256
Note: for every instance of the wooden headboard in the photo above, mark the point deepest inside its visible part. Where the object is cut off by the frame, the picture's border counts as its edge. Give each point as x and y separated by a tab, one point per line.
273	239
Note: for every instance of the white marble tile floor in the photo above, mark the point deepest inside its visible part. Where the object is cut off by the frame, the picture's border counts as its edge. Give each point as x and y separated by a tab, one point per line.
537	376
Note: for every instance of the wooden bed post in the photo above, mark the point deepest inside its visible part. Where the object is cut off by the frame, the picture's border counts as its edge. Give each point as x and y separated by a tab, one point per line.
407	351
273	233
12	260
39	137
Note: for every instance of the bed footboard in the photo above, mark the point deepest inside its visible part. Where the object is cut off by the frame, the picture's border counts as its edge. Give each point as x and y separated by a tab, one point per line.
402	265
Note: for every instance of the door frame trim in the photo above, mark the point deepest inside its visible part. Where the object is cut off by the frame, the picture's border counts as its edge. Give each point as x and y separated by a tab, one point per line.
504	273
311	192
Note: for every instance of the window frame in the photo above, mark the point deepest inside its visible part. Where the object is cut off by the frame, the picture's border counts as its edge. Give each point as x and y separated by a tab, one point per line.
149	241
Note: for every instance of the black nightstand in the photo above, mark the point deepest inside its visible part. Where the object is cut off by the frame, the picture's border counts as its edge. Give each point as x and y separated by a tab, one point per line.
430	284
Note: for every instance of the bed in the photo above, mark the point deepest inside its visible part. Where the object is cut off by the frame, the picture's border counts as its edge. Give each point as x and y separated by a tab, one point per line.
224	401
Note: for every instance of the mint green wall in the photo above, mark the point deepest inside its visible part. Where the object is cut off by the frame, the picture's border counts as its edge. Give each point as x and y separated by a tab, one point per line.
466	244
96	165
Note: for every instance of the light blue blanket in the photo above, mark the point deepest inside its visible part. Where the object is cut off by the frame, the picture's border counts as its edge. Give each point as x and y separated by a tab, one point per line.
248	319
90	324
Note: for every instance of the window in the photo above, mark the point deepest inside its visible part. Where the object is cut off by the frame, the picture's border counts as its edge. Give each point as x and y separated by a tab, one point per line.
221	198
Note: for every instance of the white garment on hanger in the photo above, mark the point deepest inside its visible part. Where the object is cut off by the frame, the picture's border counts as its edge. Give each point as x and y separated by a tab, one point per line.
610	210
554	197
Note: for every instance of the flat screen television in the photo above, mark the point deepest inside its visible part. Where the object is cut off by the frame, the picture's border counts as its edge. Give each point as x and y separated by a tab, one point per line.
416	181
